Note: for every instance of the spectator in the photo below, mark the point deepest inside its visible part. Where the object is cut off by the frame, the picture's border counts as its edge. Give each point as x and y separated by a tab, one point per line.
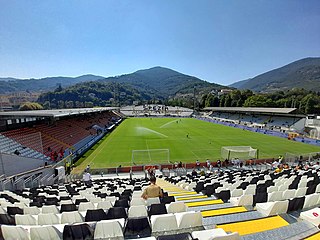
208	163
219	163
87	179
153	190
194	172
198	164
275	165
180	164
16	152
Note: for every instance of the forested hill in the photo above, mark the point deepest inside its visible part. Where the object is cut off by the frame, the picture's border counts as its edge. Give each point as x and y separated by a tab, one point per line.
154	84
8	85
304	73
163	82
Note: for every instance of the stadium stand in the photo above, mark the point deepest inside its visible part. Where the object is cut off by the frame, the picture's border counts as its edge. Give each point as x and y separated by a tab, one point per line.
269	211
53	140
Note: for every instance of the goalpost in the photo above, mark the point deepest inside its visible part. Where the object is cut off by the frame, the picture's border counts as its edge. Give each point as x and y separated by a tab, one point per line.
294	158
150	156
240	152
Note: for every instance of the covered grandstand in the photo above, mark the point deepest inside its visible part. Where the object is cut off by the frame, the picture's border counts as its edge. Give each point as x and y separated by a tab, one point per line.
48	136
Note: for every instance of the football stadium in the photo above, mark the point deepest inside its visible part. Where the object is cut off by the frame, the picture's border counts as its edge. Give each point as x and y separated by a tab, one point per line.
159	120
224	173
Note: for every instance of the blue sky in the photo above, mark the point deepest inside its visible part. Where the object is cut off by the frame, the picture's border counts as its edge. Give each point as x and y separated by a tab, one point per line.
218	41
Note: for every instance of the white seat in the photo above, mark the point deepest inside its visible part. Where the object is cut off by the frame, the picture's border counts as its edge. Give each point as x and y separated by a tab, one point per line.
243	200
163	222
288	194
273	208
105	205
2	210
301	192
189	219
275	196
49	209
150	201
230	236
112	199
283	187
31	210
176	207
108	229
302	184
312	216
272	189
208	234
318	188
236	193
71	217
66	202
217	233
137	211
311	200
84	206
48	219
45	233
14	232
25	219
137	201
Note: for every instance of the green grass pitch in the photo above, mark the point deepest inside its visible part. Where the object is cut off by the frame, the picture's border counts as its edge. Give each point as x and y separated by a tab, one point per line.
204	142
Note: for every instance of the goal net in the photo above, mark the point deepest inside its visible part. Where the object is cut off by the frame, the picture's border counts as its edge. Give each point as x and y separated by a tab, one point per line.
294	158
150	156
241	152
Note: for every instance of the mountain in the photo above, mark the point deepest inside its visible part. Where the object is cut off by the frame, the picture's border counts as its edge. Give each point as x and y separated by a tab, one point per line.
239	84
157	83
8	85
304	73
163	82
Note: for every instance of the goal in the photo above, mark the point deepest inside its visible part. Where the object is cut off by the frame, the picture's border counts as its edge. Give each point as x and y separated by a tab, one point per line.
150	156
294	158
241	152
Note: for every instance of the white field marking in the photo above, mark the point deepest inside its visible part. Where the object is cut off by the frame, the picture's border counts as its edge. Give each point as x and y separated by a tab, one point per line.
148	149
148	130
194	154
101	147
168	123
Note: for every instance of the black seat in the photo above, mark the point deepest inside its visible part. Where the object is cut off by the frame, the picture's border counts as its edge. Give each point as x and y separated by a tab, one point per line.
116	194
77	232
125	197
48	202
94	215
295	204
6	219
179	236
37	204
199	187
223	195
156	209
80	200
122	203
117	212
137	228
65	198
102	195
260	197
68	208
14	210
167	199
311	189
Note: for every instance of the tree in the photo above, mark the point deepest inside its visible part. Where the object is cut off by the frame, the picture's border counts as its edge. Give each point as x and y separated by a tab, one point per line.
30	106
